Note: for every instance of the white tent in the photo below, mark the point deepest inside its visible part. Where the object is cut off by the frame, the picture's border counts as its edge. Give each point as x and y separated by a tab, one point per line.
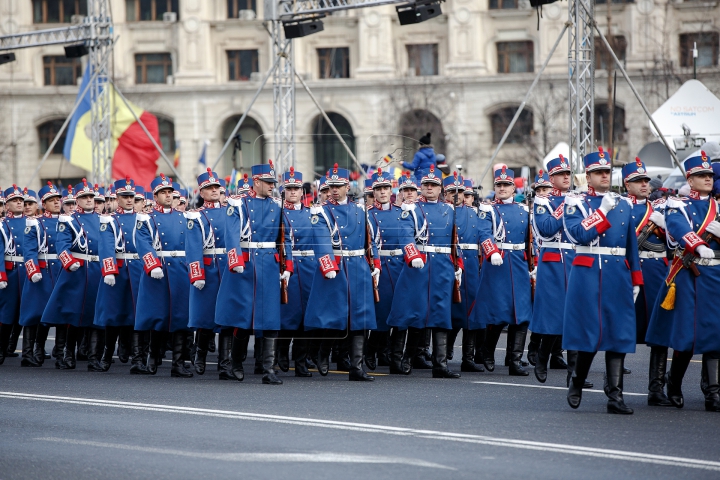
563	149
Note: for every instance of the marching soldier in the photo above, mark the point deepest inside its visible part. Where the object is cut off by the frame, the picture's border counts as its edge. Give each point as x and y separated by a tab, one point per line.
72	301
42	268
206	253
31	205
244	185
250	292
430	287
504	292
352	289
323	191
99	199
603	284
649	224
139	204
68	200
683	316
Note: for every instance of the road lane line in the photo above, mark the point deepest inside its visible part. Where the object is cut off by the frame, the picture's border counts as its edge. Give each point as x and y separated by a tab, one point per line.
553	388
388	430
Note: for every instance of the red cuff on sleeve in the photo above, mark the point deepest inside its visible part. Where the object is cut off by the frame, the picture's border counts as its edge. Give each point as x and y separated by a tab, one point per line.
376	263
235	260
488	248
109	267
31	269
327	264
3	277
289	266
411	253
596	219
196	272
637	278
67	260
692	241
460	263
150	262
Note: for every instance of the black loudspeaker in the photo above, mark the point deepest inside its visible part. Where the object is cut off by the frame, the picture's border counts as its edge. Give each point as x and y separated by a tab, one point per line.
408	15
537	3
7	57
76	51
302	29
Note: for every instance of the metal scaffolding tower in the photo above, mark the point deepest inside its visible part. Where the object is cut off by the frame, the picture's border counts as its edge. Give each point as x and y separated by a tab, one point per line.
581	76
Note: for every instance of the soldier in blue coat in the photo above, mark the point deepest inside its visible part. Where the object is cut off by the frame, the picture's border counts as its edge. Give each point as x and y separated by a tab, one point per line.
604	282
683	317
121	270
162	305
430	287
42	267
72	301
353	312
250	293
11	284
504	292
649	227
394	232
206	252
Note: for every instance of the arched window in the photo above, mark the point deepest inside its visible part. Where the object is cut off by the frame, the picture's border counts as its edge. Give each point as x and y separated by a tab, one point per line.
602	124
328	148
253	145
501	118
46	134
166	129
414	125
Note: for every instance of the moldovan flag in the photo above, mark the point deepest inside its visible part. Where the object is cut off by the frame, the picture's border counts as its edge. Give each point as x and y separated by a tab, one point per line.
133	152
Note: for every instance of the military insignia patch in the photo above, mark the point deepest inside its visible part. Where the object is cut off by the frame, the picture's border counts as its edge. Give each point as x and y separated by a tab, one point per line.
191	224
570	210
139	225
27	229
314	219
405	214
541	209
671	210
61	227
230	211
482	215
103	227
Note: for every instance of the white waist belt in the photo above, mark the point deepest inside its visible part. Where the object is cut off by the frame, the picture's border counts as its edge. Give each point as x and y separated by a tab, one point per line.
214	251
14	258
468	246
707	262
47	256
390	253
563	245
349	253
511	246
434	249
85	257
127	256
653	255
303	253
171	253
617	251
258	245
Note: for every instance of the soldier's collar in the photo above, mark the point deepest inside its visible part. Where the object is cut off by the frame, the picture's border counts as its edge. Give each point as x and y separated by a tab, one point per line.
556	193
292	206
695	195
47	214
212	205
12	215
382	206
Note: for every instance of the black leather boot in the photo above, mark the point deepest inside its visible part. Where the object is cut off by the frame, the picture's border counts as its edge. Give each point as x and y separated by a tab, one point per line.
572	360
13	341
238	343
411	349
479	341
397	344
468	353
678	367
299	355
258	356
518	346
225	357
452	336
28	346
179	369
71	346
283	353
124	343
269	350
156	351
323	363
59	349
614	383
137	353
343	354
492	335
510	343
712	392
371	349
211	344
383	348
440	367
5	332
580	373
557	362
532	348
547	342
202	338
39	347
425	342
357	349
111	336
656	383
96	345
83	336
703	378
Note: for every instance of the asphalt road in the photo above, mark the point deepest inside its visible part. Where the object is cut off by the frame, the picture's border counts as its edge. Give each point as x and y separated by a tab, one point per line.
76	424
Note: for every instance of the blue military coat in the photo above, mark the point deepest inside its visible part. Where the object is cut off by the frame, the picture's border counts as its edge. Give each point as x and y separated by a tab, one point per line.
692	325
470	230
41	257
73	299
553	264
13	228
599	308
160	239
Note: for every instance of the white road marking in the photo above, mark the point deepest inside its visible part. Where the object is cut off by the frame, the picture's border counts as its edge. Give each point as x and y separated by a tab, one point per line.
307	457
554	388
370	428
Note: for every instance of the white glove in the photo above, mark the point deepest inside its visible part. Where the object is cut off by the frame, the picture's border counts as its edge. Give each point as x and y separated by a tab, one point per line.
636	292
331	274
3	285
533	274
285	276
713	227
417	263
705	252
36	277
74	266
496	259
315	210
608	203
199	284
458	276
157	273
659	219
376	274
541	200
238	269
109	280
406	207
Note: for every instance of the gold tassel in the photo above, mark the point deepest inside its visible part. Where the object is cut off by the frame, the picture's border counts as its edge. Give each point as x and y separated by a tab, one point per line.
669	302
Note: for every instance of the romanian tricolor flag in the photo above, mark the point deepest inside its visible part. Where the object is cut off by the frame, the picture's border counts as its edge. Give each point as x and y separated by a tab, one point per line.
134	155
